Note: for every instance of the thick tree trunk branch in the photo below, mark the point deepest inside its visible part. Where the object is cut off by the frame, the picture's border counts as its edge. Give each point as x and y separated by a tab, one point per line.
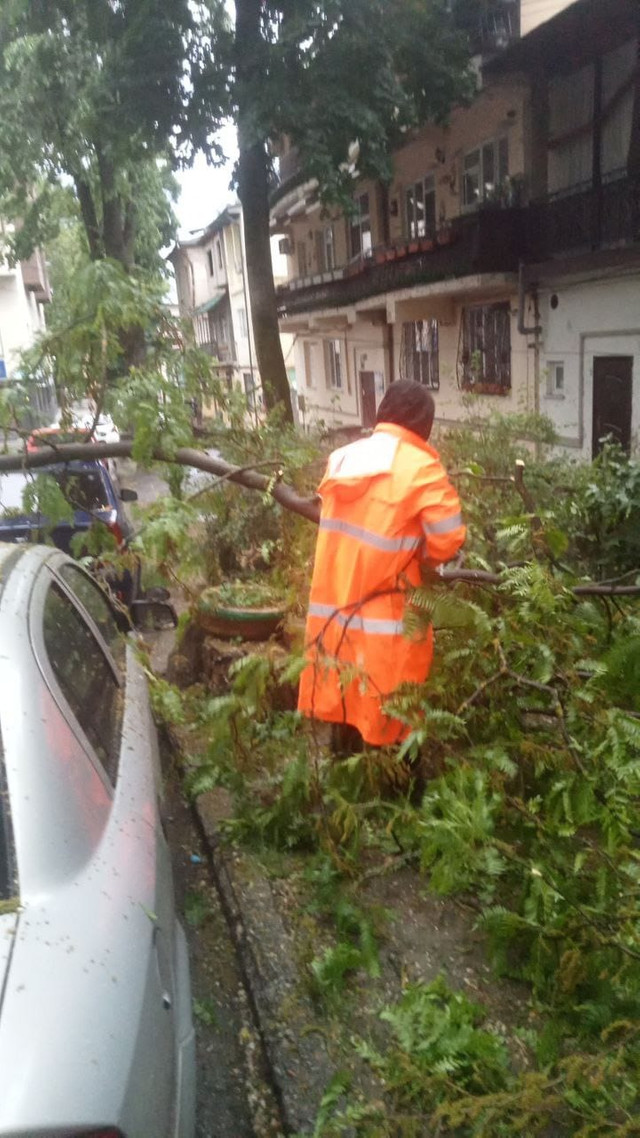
285	495
90	220
253	191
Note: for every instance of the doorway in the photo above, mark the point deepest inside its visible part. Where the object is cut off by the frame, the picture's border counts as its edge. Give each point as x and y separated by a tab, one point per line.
368	395
612	395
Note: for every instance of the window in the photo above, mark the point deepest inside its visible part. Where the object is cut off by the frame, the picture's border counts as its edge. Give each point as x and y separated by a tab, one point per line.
249	390
329	248
86	679
420	355
555	379
95	601
486	349
484	172
210	262
237	248
334	364
242	323
360	241
308	364
219	252
421	208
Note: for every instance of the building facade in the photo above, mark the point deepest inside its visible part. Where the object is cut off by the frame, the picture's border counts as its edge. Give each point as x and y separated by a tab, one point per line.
24	295
500	262
212	287
583	248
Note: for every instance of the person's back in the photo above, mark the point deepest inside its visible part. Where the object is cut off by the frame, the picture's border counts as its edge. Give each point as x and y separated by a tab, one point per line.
387	508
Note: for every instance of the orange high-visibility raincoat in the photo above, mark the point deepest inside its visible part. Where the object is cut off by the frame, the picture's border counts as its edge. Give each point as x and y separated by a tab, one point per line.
387	508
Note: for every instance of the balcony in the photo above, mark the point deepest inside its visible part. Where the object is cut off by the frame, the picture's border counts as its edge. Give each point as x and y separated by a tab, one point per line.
489	241
585	220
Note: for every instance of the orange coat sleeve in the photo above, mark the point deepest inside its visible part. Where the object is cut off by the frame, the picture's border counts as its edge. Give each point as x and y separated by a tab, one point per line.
441	518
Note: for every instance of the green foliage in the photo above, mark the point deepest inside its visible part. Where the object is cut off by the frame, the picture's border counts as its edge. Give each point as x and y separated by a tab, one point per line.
108	91
602	516
387	84
205	1011
197	908
356	940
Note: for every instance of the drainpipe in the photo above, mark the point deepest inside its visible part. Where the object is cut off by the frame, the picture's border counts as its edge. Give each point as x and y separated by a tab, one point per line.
534	331
523	330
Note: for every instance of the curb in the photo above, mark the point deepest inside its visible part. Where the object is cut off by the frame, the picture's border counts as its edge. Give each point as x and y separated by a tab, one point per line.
296	1055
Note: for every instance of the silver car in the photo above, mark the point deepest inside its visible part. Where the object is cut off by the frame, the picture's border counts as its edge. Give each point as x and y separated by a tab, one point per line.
96	1034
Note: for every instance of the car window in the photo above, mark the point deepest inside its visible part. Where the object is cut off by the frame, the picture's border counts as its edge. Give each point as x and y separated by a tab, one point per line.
85	677
83	489
94	600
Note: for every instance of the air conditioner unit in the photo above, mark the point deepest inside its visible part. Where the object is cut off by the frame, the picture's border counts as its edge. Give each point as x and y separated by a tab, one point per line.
285	245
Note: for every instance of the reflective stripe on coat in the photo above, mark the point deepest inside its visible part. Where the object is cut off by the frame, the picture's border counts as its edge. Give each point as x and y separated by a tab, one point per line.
387	508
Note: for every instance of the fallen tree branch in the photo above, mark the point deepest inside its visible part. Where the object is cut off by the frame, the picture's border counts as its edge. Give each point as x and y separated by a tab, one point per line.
250	478
183	456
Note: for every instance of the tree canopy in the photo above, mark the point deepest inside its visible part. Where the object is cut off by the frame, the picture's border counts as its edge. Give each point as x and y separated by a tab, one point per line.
100	95
326	74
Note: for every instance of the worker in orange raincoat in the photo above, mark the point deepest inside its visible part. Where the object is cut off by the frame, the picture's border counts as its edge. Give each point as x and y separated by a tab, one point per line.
388	509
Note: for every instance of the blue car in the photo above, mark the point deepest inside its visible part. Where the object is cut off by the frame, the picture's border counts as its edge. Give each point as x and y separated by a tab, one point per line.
91	492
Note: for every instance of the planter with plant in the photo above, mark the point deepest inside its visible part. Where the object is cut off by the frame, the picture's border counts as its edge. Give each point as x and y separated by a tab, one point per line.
252	610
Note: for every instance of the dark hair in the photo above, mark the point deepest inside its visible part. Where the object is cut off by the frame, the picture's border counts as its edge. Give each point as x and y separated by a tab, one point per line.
409	405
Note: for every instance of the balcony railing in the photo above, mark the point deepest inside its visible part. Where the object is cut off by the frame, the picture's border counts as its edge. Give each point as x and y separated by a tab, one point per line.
489	241
585	220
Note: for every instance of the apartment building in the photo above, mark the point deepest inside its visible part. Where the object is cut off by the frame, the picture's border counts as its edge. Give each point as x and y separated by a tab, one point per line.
24	295
451	274
212	287
583	226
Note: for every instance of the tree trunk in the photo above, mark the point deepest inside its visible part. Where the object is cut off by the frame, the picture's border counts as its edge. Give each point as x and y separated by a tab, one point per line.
253	189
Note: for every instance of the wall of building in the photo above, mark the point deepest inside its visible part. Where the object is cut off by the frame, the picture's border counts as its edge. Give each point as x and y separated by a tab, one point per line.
21	317
362	349
597	318
453	401
497	112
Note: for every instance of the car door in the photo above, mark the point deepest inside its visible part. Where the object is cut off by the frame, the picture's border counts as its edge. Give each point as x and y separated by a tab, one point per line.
103	694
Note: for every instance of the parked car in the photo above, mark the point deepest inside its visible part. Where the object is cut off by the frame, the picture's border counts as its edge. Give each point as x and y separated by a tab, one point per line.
96	1031
94	497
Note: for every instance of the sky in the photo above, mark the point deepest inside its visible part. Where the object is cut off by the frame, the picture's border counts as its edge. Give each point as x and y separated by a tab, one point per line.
205	189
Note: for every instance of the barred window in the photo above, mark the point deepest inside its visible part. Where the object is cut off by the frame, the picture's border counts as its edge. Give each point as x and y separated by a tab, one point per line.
486	349
420	355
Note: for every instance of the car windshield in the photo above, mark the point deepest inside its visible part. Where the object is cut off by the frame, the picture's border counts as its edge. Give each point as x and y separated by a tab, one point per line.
83	489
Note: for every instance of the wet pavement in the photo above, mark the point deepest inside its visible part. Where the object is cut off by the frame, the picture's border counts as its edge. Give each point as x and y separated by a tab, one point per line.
234	1098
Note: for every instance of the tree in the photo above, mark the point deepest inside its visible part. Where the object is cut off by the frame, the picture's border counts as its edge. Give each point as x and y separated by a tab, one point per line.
99	95
327	73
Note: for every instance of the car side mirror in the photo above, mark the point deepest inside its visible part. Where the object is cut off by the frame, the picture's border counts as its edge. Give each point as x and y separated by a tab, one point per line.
153	616
127	495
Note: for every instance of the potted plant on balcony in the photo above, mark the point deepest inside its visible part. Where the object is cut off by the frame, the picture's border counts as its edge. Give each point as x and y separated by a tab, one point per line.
252	610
